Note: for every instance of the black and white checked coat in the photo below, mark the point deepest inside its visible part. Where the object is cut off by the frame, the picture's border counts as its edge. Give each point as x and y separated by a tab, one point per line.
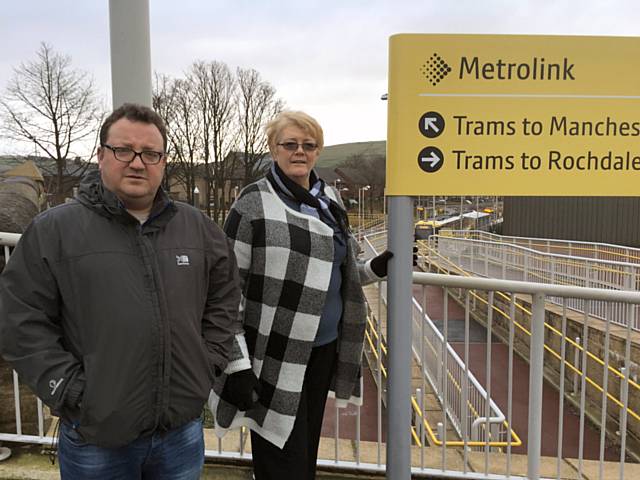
285	259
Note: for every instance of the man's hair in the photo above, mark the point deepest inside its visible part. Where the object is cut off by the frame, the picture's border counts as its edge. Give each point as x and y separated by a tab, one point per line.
134	113
288	118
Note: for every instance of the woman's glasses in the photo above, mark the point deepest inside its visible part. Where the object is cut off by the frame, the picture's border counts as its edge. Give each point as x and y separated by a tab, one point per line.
293	146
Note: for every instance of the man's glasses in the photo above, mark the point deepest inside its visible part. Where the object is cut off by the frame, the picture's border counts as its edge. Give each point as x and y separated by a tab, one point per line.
293	146
128	155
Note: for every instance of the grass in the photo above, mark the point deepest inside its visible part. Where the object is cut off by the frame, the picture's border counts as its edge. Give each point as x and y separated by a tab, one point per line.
334	155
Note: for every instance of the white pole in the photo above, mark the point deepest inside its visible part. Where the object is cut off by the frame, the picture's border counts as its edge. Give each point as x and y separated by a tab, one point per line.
130	52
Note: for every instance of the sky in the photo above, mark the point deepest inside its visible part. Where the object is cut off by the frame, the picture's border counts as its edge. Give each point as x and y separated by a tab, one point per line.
328	58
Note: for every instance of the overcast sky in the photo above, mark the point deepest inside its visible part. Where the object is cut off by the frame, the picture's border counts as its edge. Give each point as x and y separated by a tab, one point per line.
326	57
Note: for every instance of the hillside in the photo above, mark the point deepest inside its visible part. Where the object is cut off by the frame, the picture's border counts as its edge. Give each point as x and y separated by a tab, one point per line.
334	155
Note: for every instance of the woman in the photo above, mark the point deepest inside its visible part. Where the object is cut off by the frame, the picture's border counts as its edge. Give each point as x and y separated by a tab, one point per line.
303	307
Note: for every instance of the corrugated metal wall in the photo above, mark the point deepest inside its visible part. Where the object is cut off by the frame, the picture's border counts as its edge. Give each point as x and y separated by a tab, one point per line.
595	219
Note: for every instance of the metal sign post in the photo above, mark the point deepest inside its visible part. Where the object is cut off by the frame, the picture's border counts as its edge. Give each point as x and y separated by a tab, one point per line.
399	338
499	115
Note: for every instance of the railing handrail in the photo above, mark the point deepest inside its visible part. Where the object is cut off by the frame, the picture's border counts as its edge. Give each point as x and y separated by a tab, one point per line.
517	286
572	258
550	241
9	239
497	416
538	290
570	341
458	360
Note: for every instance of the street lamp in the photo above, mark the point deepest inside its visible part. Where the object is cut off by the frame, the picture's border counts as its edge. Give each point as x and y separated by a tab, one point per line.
345	199
196	195
435	214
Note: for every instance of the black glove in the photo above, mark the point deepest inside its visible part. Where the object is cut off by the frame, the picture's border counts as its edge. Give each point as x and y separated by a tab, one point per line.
241	389
379	264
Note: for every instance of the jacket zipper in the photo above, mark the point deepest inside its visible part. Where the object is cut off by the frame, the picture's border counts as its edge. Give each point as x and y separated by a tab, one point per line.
159	325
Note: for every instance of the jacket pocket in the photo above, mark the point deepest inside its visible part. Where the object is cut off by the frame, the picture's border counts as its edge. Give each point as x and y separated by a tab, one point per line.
72	435
87	400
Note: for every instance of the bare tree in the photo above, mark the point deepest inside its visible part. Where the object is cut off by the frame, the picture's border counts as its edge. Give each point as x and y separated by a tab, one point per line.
257	104
215	93
162	100
52	106
174	101
209	114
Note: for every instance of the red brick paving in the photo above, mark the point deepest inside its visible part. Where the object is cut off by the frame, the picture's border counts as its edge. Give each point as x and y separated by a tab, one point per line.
520	402
477	352
348	416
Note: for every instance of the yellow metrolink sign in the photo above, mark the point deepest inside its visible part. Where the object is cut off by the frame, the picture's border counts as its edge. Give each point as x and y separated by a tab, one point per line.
513	115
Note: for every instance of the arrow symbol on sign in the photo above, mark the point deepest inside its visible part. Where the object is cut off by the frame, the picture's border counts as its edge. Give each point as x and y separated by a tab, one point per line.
433	159
430	123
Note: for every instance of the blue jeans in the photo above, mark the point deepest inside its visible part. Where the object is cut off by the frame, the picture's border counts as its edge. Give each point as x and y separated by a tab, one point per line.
174	455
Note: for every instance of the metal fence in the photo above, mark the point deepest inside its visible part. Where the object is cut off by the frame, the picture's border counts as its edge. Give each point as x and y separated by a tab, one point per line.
539	292
512	262
7	242
599	251
469	409
482	446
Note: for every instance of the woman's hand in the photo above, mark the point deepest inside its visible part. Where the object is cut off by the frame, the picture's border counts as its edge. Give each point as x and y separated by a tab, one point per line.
380	264
241	389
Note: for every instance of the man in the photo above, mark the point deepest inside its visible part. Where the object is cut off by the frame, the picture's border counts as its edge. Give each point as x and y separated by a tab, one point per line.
119	309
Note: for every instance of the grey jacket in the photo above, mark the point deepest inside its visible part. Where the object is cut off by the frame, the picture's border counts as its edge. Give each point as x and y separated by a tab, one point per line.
119	327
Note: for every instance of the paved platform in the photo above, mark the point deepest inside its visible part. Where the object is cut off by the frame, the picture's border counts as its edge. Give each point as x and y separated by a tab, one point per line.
27	463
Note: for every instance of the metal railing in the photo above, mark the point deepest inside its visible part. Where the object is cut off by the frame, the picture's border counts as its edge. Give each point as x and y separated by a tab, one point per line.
507	261
356	454
536	354
370	224
617	384
580	350
486	422
7	242
468	401
573	248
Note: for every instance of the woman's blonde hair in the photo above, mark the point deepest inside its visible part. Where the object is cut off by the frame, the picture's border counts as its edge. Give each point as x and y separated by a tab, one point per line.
288	118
